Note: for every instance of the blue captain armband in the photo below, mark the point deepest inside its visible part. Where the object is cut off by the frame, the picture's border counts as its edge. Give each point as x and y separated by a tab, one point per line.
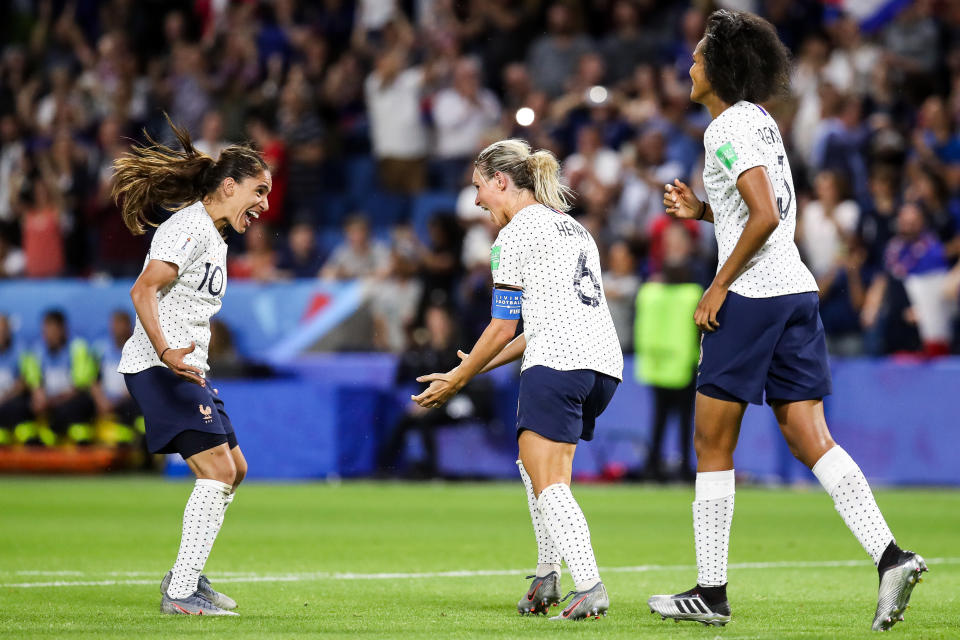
506	304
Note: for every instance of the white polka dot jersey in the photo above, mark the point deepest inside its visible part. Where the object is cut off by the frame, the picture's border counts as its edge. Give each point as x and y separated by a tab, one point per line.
742	137
555	261
189	240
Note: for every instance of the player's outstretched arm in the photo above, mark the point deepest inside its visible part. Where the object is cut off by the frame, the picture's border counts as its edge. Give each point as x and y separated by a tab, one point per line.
158	275
513	351
762	219
683	204
444	386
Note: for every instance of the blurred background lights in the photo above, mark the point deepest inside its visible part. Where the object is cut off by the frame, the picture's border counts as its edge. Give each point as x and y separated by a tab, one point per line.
597	94
525	116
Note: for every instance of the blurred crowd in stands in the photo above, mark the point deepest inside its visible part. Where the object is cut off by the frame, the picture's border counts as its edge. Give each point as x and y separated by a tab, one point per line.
369	114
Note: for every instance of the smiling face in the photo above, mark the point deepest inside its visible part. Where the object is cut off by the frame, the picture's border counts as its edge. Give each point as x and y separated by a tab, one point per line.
490	196
701	86
244	201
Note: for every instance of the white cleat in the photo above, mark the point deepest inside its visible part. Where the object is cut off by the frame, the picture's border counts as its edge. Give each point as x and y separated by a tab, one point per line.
691	606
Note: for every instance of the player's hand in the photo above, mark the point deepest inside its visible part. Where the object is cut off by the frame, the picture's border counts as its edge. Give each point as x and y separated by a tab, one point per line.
173	358
442	388
680	201
463	356
706	314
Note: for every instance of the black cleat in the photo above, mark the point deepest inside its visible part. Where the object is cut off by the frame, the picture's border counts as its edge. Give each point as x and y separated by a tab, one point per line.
692	605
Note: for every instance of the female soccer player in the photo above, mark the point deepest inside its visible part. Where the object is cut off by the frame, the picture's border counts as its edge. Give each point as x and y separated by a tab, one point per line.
165	360
546	268
760	321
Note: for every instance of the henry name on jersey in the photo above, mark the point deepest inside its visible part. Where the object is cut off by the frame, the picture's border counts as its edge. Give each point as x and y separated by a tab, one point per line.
554	260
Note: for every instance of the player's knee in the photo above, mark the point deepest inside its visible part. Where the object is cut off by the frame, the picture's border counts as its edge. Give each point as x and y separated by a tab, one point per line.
221	468
241	473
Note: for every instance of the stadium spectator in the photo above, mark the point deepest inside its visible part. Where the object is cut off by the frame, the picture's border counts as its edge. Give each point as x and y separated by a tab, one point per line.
629	44
258	261
440	259
826	224
359	256
397	133
260	129
395	300
42	228
301	256
462	114
914	254
620	284
667	347
14	397
592	164
110	395
12	261
304	135
435	349
211	140
60	374
555	55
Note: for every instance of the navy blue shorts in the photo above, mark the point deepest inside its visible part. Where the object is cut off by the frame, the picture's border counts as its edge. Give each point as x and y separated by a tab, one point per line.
773	345
563	405
172	405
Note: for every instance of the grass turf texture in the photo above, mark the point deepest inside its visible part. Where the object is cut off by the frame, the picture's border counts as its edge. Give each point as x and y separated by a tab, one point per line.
118	529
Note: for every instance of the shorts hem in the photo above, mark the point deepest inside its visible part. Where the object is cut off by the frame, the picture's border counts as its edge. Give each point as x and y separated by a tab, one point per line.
800	397
738	397
543	434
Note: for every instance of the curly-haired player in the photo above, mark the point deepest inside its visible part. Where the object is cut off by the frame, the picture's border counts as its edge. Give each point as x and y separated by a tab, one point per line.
760	319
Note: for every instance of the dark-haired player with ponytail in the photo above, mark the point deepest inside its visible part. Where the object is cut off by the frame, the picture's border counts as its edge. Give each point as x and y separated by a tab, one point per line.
165	360
762	334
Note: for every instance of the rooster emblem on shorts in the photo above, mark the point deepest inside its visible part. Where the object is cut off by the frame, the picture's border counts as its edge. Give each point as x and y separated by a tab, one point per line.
207	413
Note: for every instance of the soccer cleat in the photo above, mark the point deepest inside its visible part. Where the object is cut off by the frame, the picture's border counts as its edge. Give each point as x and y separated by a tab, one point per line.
205	589
690	605
896	585
543	593
193	605
586	604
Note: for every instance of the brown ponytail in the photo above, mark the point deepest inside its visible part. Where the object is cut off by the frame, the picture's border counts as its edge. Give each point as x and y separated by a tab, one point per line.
157	176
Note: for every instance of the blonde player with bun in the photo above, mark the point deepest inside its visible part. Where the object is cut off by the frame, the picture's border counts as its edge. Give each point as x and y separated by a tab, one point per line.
546	269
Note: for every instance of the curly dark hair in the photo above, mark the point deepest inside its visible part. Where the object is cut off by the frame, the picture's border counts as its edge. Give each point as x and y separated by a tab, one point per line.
743	57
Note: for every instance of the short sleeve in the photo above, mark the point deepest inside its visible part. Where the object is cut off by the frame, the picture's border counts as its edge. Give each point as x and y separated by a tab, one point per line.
177	244
729	143
507	256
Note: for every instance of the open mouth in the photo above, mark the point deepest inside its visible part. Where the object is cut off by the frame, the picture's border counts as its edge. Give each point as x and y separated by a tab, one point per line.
249	216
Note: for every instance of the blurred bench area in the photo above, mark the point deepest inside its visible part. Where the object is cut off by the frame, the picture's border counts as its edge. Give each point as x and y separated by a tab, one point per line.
304	409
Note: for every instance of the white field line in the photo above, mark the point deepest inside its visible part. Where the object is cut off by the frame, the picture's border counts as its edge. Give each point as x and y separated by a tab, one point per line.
323	575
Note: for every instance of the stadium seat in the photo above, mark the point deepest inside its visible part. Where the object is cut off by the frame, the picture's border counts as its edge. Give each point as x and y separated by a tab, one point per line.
384	209
360	173
429	204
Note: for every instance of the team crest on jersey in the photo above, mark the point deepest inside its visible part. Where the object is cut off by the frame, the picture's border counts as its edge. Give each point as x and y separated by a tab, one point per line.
207	412
494	258
727	155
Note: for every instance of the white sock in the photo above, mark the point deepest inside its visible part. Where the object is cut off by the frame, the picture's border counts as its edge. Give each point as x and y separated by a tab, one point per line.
226	503
569	531
712	517
548	556
201	522
853	499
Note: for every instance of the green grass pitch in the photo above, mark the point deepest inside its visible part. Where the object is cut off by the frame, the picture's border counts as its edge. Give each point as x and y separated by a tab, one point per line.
314	560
